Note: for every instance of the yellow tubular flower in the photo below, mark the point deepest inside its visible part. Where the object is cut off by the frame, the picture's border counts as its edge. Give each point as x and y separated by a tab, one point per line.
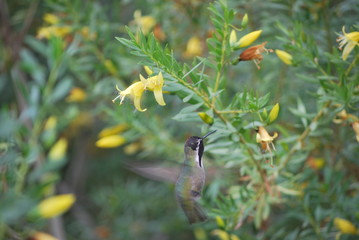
249	38
266	140
110	141
155	84
349	40
56	205
284	56
42	236
58	151
345	226
136	91
113	130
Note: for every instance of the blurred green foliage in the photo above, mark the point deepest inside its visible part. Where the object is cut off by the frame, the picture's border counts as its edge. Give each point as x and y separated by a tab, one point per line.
60	63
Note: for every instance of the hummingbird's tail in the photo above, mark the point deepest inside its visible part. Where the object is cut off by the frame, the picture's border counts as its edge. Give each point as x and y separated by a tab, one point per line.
193	211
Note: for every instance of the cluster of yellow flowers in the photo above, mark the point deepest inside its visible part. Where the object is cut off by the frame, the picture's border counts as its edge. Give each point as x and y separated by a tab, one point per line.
152	83
254	53
54	28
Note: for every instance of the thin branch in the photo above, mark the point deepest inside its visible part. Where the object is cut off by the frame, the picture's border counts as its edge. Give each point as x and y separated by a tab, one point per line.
305	133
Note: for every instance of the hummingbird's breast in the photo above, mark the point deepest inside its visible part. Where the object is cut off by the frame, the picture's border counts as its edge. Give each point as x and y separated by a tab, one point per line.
190	182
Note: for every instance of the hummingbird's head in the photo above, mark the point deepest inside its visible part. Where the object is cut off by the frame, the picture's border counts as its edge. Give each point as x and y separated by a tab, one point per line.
194	148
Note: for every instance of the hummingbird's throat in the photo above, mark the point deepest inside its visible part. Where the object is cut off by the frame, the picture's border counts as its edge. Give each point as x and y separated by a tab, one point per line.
199	152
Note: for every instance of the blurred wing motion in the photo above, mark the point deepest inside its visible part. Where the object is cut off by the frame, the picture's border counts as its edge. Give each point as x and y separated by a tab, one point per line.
155	172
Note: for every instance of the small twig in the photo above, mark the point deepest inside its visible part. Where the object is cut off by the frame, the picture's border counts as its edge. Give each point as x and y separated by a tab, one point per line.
303	136
352	65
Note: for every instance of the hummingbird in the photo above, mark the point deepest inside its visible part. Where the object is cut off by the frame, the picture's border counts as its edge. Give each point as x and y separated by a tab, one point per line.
191	179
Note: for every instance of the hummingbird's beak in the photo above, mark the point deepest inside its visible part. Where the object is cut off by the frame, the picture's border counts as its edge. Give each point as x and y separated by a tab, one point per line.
209	134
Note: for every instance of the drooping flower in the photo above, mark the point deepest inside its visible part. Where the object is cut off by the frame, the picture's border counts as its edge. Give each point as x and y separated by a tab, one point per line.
194	47
266	140
284	56
110	141
254	53
155	84
249	38
345	226
348	41
55	206
135	91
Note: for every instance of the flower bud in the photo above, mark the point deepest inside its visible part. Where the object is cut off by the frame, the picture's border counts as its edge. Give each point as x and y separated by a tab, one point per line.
110	141
58	151
233	39
273	113
345	226
284	56
249	38
244	21
55	206
206	118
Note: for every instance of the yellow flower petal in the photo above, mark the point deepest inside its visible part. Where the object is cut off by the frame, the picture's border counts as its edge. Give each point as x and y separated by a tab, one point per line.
345	226
347	49
58	151
148	70
113	130
42	236
284	56
273	113
110	141
56	205
249	38
137	103
157	91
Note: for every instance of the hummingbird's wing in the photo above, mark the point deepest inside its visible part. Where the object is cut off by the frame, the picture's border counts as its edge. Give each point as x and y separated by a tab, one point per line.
159	172
155	172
